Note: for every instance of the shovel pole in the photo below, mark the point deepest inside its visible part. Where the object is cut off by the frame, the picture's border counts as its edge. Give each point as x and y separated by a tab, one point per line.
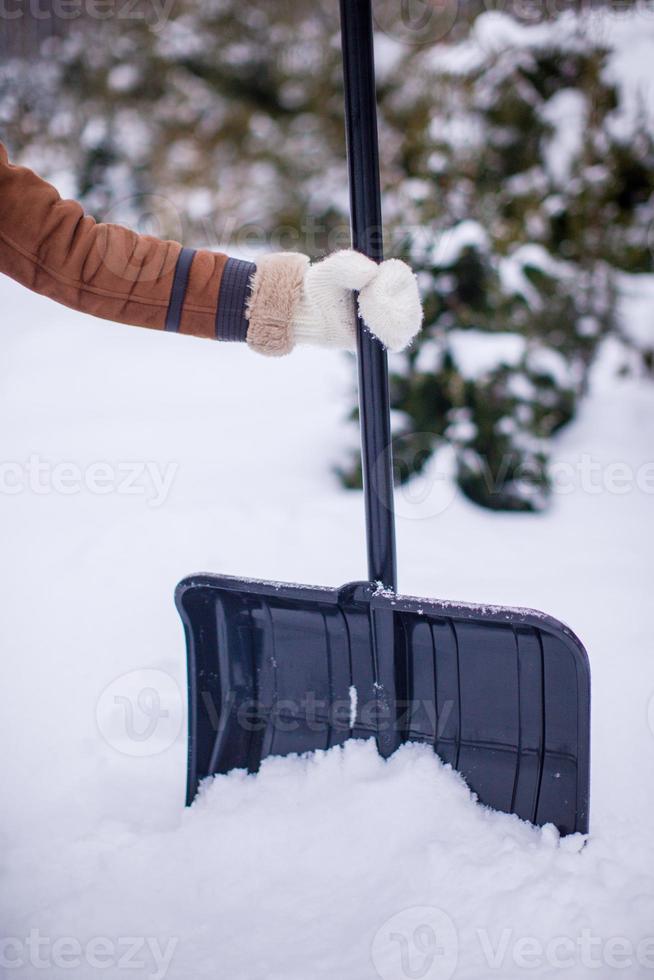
366	224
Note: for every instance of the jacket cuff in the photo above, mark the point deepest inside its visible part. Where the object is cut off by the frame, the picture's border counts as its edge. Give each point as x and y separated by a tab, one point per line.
276	290
231	322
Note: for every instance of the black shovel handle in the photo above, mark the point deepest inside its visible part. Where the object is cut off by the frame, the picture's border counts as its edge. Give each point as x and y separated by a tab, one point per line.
366	222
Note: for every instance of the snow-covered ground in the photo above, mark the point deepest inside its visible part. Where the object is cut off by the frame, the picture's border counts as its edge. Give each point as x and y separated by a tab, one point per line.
337	866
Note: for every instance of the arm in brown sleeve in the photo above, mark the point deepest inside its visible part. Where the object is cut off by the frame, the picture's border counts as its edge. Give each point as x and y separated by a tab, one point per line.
52	247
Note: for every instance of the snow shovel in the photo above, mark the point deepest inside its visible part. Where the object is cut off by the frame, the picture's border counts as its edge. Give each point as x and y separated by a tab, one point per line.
503	695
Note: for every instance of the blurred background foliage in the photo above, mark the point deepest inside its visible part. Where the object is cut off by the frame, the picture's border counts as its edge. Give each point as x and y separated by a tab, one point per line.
517	168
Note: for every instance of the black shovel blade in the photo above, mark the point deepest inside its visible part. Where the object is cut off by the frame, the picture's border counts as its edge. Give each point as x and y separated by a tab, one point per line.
503	695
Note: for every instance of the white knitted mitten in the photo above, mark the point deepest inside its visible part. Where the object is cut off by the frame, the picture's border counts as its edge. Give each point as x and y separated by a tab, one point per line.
389	303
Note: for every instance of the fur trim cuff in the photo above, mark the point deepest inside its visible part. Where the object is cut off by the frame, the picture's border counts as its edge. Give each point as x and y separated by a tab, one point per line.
276	290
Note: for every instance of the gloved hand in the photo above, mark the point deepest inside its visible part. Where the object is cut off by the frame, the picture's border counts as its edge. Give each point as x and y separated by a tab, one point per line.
293	302
389	303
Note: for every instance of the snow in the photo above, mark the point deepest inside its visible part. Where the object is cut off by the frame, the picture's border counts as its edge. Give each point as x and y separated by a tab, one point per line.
495	32
477	352
429	357
448	245
514	278
354	701
629	67
337	865
636	309
566	112
388	54
626	31
546	361
123	77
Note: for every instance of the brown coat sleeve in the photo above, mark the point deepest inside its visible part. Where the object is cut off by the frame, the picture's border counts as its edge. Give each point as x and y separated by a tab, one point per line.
53	248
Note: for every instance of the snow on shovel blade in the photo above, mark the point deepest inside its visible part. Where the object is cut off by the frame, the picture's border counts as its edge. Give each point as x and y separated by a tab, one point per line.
501	694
